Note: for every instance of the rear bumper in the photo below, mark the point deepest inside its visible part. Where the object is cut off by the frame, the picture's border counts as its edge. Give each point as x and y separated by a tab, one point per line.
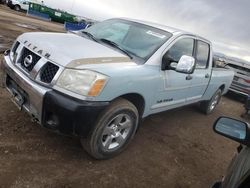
53	110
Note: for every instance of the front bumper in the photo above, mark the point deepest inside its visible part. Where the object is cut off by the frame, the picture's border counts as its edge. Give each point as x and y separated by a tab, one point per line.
239	91
51	109
69	115
240	88
34	91
10	4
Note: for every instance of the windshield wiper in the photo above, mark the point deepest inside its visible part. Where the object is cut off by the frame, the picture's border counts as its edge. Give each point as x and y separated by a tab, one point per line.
89	35
116	46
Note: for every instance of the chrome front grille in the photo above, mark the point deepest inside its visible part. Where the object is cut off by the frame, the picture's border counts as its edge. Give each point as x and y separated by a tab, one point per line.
33	65
48	72
28	59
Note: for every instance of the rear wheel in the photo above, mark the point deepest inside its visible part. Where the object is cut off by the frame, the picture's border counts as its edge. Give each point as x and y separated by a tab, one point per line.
113	130
209	106
17	8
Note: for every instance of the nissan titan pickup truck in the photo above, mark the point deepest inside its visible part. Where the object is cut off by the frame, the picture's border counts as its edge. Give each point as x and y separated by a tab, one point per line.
100	83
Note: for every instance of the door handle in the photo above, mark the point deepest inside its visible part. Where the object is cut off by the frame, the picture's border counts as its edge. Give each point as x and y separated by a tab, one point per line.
207	76
189	77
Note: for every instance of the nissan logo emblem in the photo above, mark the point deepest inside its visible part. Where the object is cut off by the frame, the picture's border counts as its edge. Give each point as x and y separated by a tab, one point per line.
28	61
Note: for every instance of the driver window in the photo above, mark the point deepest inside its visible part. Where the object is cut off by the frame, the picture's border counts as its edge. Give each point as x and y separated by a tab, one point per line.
181	47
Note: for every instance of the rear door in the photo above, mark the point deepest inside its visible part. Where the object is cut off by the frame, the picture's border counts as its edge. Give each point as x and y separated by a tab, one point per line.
202	73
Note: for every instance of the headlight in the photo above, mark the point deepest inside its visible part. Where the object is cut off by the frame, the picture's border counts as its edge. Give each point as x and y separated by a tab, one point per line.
83	82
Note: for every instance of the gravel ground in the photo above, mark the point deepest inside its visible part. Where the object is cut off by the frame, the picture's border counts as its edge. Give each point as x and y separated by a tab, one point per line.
173	149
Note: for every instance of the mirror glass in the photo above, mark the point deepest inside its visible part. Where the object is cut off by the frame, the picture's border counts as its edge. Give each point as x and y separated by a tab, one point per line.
186	64
232	128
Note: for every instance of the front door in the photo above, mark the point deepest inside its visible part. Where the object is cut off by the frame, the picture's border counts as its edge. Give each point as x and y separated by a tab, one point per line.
175	85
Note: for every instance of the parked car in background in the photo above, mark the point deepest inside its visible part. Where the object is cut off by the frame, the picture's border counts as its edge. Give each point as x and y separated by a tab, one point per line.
247	105
2	1
100	83
238	173
241	81
18	5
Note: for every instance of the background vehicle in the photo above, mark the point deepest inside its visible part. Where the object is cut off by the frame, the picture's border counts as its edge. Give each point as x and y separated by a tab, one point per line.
241	81
238	173
18	5
2	1
99	84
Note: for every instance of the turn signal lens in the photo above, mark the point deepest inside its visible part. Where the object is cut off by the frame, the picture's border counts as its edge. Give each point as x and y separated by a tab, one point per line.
96	88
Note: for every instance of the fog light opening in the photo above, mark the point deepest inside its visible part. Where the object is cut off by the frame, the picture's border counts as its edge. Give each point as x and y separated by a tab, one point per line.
52	122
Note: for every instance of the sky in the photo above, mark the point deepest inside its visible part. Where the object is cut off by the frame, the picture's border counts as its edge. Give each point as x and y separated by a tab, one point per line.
225	22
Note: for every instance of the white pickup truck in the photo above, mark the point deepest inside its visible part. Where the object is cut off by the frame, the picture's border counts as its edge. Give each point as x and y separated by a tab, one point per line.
18	5
100	83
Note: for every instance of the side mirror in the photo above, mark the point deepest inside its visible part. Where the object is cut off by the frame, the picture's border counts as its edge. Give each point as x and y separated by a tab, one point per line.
166	61
233	129
173	65
186	65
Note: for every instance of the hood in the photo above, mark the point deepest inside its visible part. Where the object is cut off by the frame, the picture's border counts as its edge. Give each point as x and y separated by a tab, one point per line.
71	50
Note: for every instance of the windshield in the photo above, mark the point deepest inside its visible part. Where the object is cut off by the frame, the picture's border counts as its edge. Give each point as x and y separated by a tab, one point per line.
137	39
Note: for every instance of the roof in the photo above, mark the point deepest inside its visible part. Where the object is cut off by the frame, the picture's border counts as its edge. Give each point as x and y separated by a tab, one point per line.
166	28
160	26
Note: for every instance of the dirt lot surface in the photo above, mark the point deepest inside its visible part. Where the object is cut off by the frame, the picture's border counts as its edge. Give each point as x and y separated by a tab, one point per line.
13	24
172	149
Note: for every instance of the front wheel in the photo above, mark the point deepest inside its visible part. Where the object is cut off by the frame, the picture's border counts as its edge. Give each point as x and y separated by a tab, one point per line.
113	130
209	106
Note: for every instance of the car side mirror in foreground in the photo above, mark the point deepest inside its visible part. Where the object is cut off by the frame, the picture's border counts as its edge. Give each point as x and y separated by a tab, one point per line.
186	65
233	129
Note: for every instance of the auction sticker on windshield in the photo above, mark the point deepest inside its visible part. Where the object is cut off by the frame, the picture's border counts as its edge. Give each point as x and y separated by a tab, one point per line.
156	34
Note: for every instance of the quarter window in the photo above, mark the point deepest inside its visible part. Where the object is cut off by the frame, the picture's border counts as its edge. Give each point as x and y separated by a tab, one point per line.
202	55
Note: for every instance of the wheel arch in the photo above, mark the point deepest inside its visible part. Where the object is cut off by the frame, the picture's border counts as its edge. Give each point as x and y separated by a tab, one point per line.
222	87
137	100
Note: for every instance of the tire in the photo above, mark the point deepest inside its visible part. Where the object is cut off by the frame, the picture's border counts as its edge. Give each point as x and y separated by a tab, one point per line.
208	107
17	8
113	130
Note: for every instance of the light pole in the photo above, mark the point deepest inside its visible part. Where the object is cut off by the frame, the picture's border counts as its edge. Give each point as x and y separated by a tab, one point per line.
73	3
